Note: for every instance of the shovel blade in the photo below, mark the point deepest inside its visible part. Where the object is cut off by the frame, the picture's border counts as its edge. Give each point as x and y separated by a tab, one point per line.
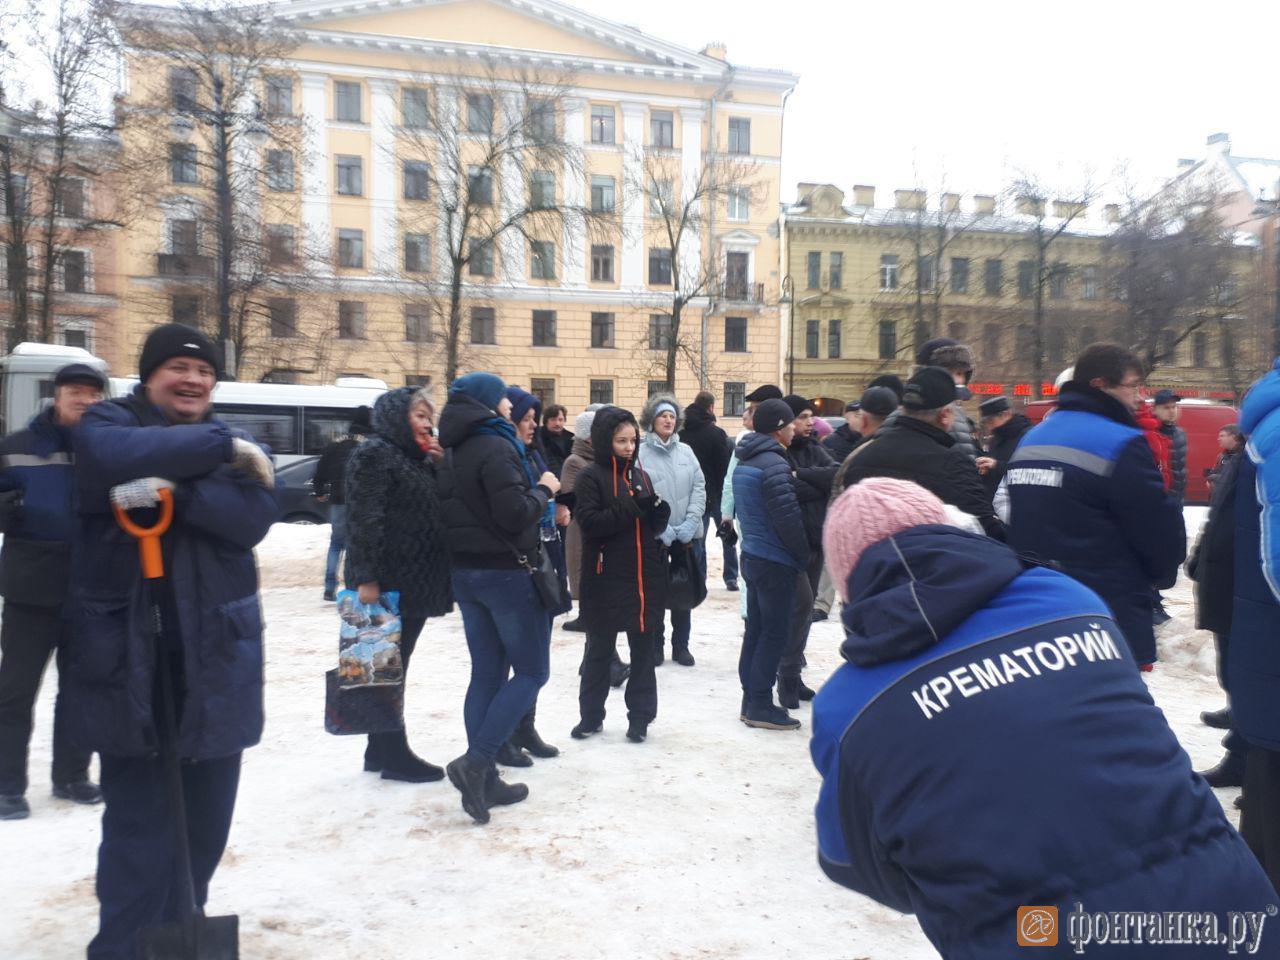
200	938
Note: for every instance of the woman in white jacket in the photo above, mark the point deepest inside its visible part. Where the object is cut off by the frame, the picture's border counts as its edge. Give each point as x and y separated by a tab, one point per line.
677	478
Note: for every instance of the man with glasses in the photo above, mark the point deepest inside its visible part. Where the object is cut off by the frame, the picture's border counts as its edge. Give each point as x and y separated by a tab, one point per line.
1085	493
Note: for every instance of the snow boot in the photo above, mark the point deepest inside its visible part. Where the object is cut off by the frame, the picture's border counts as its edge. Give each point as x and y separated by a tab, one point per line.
509	755
471	777
329	596
682	656
804	691
1218	719
584	730
789	692
731	586
1228	773
618	671
770	717
14	808
818	616
398	762
78	791
637	730
526	737
574	626
499	793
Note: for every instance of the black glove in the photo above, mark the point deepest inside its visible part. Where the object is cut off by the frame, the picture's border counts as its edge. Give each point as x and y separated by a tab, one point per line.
727	533
630	506
10	509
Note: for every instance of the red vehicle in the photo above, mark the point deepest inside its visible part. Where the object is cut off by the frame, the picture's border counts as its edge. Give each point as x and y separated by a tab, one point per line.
1201	419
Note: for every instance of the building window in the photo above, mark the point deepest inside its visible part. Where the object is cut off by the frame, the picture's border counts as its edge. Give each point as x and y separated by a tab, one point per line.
350	320
735	334
958	330
602	264
1168	343
833	339
184	238
602	328
1026	277
280	244
959	274
926	274
480	186
735	392
661	128
542	121
835	272
1089	282
661	331
351	248
601	392
184	88
660	266
737	266
350	175
739	204
542	259
279	96
417	253
812	331
544	388
888	271
1056	345
542	190
1227	346
71	198
813	269
417	323
182	163
479	113
1024	342
415	109
280	170
417	379
73	271
544	328
991	341
283	315
993	277
185	308
602	124
739	135
888	339
602	197
480	257
75	338
417	180
483	325
1058	281
656	386
661	198
346	101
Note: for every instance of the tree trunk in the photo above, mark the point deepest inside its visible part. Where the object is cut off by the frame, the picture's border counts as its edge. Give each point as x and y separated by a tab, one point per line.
1037	321
225	229
673	345
15	250
454	333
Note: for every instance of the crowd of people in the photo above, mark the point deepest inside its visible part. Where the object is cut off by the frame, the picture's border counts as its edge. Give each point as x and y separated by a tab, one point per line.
997	582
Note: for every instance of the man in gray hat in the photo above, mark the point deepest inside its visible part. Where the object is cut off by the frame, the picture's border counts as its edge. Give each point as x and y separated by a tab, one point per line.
1004	429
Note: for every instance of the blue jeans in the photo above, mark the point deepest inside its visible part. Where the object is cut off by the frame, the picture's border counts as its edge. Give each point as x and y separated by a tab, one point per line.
506	625
712	516
771	589
337	543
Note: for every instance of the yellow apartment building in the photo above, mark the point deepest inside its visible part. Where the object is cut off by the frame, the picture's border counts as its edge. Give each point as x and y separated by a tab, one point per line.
357	242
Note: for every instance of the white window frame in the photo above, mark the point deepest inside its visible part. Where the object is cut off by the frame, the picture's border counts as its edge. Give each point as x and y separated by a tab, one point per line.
60	278
85	324
739	204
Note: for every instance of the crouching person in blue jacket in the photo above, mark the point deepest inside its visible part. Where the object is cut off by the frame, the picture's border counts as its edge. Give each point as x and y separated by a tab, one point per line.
989	745
225	500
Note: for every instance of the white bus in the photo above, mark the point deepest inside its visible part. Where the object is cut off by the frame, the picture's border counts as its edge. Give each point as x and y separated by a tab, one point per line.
295	421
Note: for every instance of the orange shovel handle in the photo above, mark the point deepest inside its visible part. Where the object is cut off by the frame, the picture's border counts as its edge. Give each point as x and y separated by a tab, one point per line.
149	537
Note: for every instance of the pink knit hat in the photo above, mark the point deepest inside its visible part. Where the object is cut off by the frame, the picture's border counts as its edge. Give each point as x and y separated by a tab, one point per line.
866	513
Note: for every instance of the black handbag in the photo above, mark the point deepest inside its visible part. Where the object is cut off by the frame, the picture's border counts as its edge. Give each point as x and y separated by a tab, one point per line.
686	579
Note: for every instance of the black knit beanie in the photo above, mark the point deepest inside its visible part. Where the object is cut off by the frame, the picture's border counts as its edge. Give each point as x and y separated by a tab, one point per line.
175	340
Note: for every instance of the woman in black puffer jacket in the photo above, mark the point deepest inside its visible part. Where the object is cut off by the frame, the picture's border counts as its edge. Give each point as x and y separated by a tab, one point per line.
396	541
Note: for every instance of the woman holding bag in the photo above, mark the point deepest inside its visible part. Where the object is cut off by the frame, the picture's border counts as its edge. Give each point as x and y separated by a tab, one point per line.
396	541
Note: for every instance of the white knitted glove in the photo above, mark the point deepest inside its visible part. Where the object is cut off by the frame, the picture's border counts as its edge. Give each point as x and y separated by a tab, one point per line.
136	494
249	459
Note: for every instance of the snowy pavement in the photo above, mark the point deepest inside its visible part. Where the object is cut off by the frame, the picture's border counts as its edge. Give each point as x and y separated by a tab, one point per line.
696	844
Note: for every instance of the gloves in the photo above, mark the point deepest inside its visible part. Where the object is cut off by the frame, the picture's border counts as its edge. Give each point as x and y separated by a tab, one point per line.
249	459
137	494
630	506
727	533
10	509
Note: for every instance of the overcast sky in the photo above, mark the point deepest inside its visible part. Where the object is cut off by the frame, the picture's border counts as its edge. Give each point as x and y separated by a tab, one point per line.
963	94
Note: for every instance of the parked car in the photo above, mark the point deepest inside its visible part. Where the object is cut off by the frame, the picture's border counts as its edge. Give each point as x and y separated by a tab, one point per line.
300	504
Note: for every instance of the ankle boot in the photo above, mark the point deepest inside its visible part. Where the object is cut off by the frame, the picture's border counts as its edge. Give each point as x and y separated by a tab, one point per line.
400	763
509	755
526	738
470	777
804	691
499	793
789	692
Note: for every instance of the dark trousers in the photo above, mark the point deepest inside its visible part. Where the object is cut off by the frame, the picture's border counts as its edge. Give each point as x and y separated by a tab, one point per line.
137	860
712	516
506	626
1260	810
28	636
793	660
1234	742
387	748
642	682
681	628
337	543
771	590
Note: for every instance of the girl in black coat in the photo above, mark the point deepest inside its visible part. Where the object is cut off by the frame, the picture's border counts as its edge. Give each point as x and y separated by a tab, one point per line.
624	572
396	541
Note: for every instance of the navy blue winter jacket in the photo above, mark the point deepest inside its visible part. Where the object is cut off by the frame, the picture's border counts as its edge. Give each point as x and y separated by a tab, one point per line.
1085	492
211	586
766	505
990	745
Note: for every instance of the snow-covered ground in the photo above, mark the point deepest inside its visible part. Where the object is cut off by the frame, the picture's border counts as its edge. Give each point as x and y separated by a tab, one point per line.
696	844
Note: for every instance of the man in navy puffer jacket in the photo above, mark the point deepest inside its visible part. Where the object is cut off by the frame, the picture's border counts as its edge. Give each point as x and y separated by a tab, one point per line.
989	745
775	554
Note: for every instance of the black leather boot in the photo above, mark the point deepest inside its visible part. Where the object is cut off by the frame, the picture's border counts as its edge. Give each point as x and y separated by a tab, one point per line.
526	738
509	755
499	793
471	778
789	693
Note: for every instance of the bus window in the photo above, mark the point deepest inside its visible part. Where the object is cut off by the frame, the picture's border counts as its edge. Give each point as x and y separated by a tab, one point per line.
321	426
277	427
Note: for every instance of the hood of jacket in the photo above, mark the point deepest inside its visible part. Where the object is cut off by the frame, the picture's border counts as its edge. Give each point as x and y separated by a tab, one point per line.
910	590
651	439
650	405
695	418
391	420
1075	395
1263	398
753	444
460	417
582	448
602	429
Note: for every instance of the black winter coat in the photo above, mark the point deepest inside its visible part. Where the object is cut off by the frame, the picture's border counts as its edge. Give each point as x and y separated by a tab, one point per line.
1212	562
842	442
711	446
910	449
815	470
556	447
1004	440
395	531
330	478
624	566
1178	458
488	503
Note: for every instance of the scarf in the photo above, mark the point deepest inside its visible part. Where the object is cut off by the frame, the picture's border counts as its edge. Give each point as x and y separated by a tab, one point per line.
533	469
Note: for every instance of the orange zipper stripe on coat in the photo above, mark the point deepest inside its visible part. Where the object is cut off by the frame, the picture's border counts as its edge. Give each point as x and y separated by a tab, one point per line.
639	546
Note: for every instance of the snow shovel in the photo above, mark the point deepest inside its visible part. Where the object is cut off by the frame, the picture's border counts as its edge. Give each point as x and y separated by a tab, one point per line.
193	936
